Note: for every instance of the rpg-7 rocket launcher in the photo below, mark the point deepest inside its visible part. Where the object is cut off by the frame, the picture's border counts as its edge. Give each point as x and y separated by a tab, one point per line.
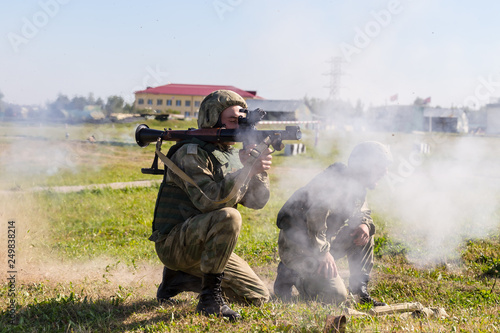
246	133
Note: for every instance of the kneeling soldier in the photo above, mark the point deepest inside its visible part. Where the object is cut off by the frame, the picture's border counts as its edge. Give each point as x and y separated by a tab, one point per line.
326	220
194	233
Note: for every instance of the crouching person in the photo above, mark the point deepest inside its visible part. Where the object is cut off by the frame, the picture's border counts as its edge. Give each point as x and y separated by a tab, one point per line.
326	220
194	231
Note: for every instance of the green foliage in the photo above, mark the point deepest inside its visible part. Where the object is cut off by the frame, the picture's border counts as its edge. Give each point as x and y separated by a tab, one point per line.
494	267
170	111
114	104
482	256
386	246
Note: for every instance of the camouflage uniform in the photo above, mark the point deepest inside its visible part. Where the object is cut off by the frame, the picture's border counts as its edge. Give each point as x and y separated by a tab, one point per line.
192	233
319	218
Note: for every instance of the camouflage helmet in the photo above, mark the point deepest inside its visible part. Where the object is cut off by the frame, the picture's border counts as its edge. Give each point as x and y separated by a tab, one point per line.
369	153
212	106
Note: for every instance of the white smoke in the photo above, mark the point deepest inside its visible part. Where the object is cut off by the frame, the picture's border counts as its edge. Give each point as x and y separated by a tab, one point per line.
443	198
441	190
34	154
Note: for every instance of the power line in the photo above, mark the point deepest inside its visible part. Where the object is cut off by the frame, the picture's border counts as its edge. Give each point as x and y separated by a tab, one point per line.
335	74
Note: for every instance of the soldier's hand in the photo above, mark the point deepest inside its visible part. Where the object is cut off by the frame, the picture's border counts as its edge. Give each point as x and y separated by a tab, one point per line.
327	267
361	235
245	153
263	163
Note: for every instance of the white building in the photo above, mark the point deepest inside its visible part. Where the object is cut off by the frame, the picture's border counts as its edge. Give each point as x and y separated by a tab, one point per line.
446	120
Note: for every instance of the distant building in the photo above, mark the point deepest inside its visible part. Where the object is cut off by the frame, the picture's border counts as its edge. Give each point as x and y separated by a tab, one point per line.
408	118
182	98
477	121
396	118
288	110
492	118
445	120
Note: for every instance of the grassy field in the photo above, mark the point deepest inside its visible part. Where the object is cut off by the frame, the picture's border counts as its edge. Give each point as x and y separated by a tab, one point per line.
83	262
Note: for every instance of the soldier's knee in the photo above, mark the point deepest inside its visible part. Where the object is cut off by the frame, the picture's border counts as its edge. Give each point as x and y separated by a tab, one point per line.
264	298
334	296
339	296
231	219
327	290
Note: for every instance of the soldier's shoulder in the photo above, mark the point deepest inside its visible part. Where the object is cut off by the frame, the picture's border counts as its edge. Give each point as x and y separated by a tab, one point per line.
189	149
336	168
335	173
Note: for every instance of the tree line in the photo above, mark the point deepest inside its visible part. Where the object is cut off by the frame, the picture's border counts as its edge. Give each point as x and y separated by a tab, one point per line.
63	107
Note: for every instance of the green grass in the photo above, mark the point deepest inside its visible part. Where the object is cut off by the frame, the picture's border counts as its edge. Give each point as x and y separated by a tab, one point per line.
104	222
85	264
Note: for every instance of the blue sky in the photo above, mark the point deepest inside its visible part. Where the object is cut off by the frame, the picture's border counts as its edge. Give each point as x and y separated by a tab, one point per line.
447	50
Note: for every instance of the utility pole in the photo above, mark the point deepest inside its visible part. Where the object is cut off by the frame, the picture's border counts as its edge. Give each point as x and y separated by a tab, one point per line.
335	74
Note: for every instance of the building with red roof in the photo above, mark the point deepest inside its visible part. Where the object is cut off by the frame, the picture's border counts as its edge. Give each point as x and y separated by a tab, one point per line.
183	98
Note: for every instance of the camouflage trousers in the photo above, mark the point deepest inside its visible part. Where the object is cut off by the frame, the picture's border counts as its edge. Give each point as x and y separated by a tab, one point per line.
205	244
310	284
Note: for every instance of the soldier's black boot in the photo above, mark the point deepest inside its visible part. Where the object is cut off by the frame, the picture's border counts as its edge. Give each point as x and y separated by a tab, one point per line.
361	290
285	280
175	282
211	300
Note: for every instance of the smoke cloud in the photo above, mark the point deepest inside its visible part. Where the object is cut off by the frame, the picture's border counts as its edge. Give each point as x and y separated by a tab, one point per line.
442	189
440	199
